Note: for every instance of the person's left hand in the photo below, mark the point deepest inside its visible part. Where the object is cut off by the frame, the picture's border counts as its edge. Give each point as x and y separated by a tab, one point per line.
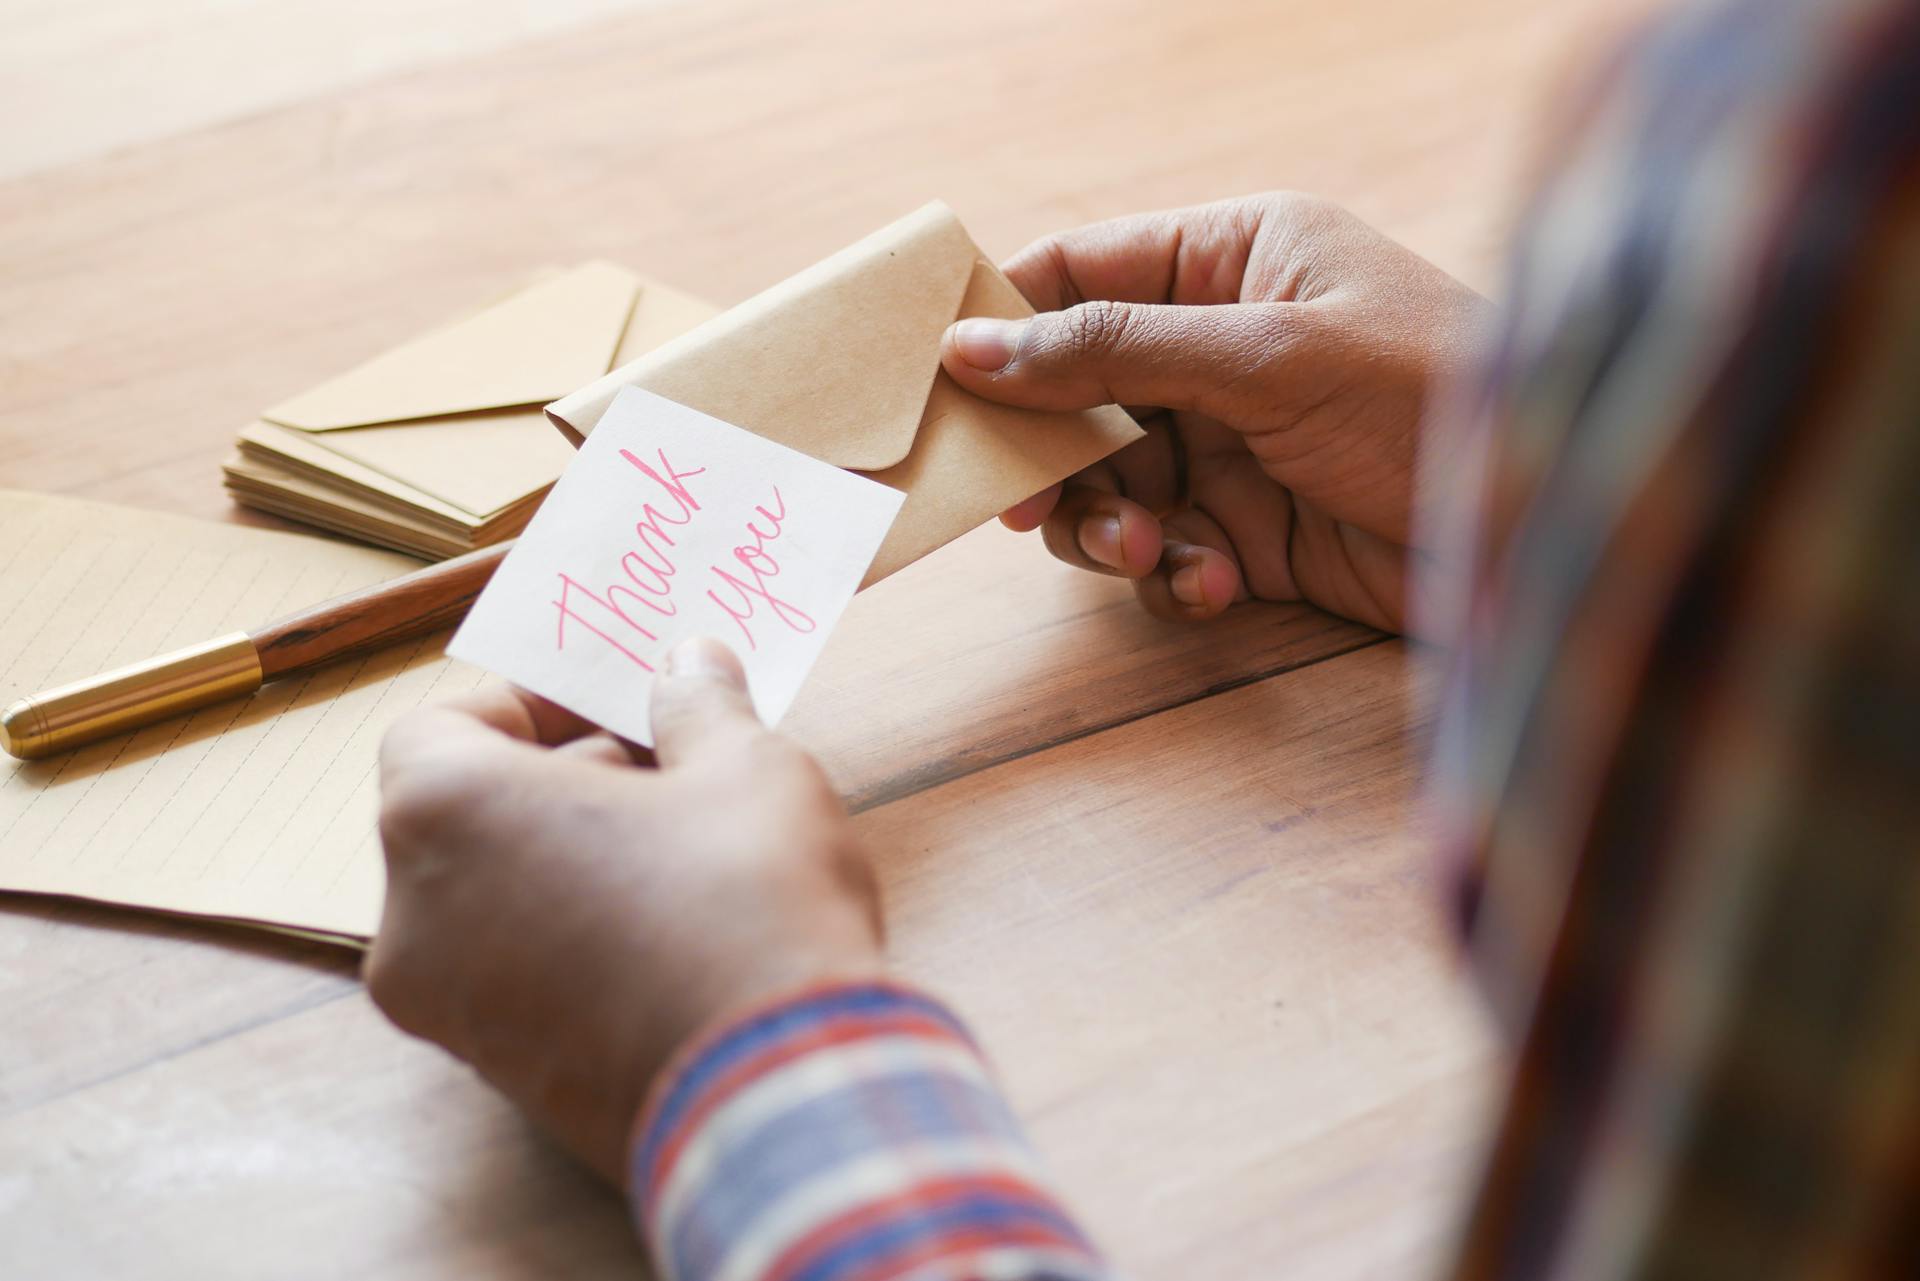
563	916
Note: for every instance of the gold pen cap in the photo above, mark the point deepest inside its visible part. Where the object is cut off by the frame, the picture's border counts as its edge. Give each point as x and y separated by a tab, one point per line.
72	715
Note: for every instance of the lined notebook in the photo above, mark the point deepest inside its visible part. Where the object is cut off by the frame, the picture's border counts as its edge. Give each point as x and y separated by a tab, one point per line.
439	445
260	811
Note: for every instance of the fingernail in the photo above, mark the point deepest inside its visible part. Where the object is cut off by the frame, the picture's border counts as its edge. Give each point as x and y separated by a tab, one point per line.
704	657
1100	540
988	345
1187	587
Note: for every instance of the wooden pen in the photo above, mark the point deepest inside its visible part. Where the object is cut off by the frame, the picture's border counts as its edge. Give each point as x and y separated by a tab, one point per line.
235	665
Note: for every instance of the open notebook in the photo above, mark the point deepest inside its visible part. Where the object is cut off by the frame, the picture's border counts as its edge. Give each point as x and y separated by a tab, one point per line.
439	445
261	811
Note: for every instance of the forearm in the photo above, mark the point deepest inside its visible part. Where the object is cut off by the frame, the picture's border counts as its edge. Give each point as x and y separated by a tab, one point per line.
848	1131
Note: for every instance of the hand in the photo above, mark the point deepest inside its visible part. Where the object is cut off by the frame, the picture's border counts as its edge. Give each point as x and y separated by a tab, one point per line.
1288	350
562	916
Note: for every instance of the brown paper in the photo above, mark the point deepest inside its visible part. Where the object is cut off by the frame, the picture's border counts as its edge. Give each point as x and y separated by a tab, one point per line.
443	436
842	362
258	810
552	334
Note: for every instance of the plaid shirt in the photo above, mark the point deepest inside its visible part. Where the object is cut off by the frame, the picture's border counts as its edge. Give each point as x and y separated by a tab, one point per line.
1677	769
1679	765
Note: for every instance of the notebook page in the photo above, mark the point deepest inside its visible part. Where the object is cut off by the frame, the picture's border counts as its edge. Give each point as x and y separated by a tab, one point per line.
261	810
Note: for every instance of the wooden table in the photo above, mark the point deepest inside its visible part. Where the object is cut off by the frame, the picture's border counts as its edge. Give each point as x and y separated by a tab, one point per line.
1167	872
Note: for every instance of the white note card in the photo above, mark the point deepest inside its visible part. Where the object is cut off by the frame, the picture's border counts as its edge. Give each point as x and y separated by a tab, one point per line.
672	524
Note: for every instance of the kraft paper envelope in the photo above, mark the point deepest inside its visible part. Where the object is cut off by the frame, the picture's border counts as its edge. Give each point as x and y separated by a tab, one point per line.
842	362
455	414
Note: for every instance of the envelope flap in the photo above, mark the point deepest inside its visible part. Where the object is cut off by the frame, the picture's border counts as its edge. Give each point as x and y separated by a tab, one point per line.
528	348
662	314
836	361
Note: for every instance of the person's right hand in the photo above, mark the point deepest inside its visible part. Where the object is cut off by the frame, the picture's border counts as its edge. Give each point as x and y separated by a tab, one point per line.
564	911
1290	350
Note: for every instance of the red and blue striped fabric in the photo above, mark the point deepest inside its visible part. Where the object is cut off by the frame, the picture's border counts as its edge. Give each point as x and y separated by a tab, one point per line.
848	1133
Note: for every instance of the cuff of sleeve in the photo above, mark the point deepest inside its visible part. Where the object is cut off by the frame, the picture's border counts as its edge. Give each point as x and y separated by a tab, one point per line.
848	1130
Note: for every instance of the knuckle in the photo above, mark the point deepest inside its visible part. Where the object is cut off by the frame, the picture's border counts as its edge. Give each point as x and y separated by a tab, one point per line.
794	797
419	805
684	702
760	756
1042	260
674	694
774	756
783	774
1269	335
1321	229
401	743
421	742
1298	206
1094	329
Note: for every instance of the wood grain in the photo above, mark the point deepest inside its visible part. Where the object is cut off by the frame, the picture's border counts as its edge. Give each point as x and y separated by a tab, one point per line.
1212	981
160	297
990	649
1166	871
1205	948
193	63
722	146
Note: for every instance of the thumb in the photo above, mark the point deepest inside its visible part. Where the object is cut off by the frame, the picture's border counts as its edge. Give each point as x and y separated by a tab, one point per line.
700	703
1101	353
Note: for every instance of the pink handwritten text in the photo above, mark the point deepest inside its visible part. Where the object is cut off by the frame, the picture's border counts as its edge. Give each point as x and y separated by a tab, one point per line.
648	568
758	564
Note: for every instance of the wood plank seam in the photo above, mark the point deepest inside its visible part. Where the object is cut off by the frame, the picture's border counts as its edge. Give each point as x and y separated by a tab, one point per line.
941	772
346	987
350	986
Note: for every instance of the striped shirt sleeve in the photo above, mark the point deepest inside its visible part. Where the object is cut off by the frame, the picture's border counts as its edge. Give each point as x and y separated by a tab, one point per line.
850	1132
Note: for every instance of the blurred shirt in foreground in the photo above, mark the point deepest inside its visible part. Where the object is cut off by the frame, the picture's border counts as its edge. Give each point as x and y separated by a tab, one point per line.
1679	764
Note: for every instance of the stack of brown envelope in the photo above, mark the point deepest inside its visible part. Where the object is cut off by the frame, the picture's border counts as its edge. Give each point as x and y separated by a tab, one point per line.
842	362
439	446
